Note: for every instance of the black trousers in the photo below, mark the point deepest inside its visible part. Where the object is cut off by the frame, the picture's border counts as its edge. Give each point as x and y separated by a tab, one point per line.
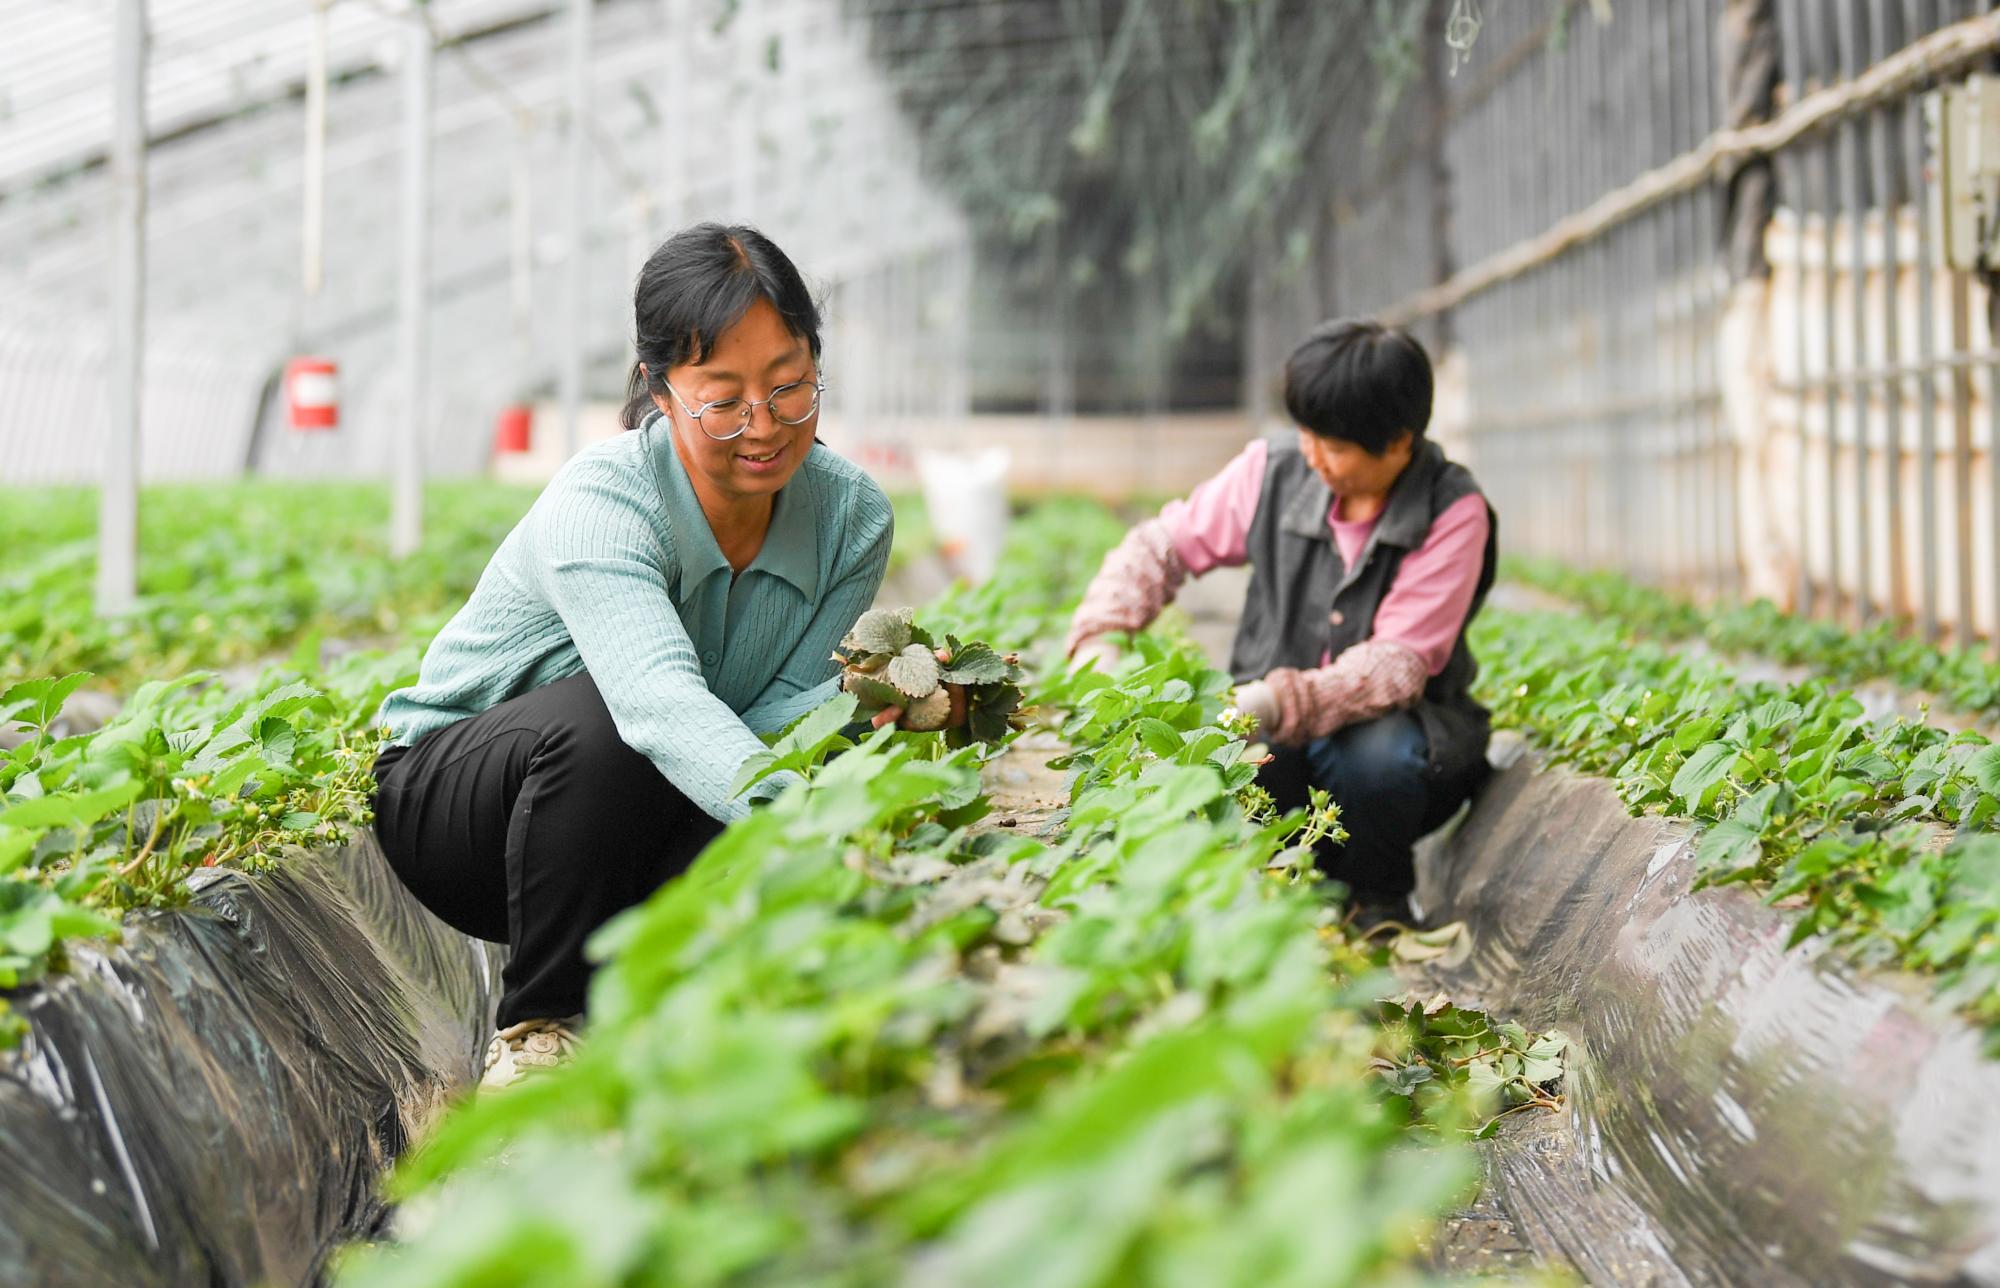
531	824
1379	773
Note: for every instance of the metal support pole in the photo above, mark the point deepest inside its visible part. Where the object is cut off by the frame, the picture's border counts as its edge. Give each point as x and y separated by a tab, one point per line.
1800	167
1927	408
576	177
638	245
1658	452
312	239
1437	166
521	249
1750	59
406	517
1961	462
1619	310
118	496
1683	240
670	185
1826	148
747	71
1857	196
1891	195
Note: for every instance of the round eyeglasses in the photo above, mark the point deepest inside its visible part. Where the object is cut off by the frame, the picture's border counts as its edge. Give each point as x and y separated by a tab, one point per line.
792	404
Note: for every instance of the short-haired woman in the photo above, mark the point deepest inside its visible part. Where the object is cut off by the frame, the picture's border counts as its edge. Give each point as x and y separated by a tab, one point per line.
1370	554
673	593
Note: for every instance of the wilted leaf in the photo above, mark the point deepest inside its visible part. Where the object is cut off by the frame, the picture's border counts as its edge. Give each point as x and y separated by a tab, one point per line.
875	693
880	630
914	671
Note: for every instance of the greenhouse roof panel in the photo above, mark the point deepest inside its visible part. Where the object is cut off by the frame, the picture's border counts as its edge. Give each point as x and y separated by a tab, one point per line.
209	60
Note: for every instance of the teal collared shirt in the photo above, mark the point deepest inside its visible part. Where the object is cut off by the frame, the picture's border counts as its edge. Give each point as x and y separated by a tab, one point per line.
615	571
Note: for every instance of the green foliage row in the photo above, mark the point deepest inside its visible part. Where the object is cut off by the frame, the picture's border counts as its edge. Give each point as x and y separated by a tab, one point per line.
1796	791
191	774
231	573
1964	679
870	1038
188	775
860	1038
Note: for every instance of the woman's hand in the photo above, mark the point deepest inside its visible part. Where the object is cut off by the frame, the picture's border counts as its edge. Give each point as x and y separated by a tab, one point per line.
1260	702
1101	649
900	715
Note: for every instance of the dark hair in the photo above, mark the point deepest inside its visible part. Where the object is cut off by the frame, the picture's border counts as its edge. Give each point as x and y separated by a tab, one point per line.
1359	381
697	285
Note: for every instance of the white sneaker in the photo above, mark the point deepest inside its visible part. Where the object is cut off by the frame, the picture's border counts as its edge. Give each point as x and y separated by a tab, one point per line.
525	1048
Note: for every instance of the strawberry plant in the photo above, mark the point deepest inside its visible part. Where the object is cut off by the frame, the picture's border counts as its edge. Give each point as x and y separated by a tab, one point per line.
869	1033
188	775
1796	793
872	1036
232	574
889	661
1962	679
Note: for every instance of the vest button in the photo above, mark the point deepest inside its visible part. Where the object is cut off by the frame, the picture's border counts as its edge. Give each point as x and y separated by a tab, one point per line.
1336	617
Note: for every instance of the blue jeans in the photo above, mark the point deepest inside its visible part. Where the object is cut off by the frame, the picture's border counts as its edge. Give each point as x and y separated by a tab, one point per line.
1379	773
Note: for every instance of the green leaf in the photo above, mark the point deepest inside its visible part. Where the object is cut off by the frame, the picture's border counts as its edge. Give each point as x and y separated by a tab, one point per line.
41	699
1483	1077
1775	714
1870	765
817	727
1983	766
1543	1065
988	710
65	811
977	664
1729	846
1694	733
1709	765
1161	738
305	655
278	739
1981	812
15	847
1758	808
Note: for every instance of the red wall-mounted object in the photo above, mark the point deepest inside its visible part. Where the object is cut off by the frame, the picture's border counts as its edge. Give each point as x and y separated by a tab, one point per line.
312	394
514	428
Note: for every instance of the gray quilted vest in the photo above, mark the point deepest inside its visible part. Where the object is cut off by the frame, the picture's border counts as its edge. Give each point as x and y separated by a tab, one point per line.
1304	602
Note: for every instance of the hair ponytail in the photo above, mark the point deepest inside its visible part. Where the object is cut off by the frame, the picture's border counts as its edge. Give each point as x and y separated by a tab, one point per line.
638	398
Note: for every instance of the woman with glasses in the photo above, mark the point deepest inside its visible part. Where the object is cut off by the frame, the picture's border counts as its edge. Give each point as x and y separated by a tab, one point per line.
573	734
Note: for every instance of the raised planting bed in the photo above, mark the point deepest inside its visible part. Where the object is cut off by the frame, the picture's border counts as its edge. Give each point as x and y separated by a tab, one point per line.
213	1099
229	576
1887	662
938	1016
1739	1111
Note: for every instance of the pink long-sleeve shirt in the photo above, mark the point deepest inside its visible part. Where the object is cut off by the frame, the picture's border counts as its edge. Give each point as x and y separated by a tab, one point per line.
1425	606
